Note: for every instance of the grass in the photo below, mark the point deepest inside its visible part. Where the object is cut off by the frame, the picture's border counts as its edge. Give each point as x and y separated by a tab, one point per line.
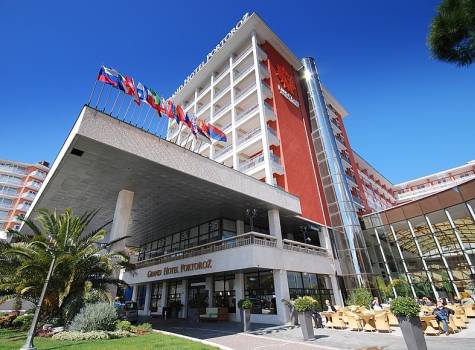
11	339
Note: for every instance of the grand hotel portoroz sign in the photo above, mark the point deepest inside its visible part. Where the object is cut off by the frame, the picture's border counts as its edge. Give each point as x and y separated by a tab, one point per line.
216	49
170	270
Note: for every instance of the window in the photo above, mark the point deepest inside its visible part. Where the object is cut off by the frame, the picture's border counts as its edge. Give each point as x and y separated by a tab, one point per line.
419	187
224	293
174	291
6	202
155	297
316	286
229	228
141	290
259	288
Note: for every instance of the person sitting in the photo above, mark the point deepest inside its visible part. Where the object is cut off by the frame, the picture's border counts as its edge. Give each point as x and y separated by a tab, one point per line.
442	314
375	305
329	307
427	301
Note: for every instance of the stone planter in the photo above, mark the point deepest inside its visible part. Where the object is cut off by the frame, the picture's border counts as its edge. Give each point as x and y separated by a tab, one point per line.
194	314
305	320
246	319
412	331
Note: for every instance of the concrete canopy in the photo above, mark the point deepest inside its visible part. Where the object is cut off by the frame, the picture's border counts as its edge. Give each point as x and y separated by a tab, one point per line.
173	188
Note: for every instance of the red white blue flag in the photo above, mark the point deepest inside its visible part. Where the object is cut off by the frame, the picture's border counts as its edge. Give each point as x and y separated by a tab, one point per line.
216	133
109	76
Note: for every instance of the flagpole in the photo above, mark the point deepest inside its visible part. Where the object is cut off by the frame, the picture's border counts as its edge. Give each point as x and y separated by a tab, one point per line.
113	105
201	142
127	110
121	105
150	124
133	113
92	93
179	131
107	99
100	94
187	140
145	119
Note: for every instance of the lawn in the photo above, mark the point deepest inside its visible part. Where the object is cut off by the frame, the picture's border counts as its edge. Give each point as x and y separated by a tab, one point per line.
10	339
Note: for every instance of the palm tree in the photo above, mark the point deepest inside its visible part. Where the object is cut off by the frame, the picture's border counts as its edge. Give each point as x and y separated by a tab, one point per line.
82	264
452	32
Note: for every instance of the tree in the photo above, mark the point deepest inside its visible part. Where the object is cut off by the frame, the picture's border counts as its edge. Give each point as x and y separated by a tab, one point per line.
452	32
82	264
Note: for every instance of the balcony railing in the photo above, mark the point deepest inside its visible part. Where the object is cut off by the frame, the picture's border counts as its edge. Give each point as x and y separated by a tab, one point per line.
249	135
219	75
272	131
219	93
251	163
28	195
275	158
33	184
13	170
351	178
245	113
223	151
219	111
247	89
345	157
303	247
243	53
39	174
239	74
203	108
246	239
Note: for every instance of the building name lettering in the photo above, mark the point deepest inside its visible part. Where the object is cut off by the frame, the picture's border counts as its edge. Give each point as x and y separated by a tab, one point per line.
211	54
288	96
170	270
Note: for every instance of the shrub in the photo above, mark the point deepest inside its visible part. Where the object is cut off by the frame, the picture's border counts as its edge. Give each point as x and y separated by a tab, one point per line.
6	321
142	328
405	307
95	317
360	297
76	336
23	322
304	304
245	304
123	326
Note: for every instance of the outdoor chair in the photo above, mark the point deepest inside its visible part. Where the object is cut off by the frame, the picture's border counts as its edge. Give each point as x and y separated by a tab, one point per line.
452	326
469	310
392	319
354	321
381	322
337	321
328	319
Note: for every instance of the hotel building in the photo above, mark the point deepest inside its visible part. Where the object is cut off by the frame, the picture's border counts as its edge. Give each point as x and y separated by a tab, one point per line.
19	184
273	213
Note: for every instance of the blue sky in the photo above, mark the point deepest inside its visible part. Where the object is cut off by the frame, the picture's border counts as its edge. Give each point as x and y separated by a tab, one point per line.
409	114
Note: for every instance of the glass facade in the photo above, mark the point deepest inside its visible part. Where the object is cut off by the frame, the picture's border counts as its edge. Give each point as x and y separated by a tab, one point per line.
259	288
428	244
224	293
316	286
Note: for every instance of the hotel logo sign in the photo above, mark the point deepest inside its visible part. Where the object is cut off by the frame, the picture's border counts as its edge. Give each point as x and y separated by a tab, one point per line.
170	270
216	49
287	87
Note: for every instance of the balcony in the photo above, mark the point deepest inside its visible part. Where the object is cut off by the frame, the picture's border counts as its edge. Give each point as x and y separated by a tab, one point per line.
38	174
203	90
12	170
304	248
251	134
277	167
266	91
221	74
23	207
28	195
357	200
5	205
220	92
239	75
252	163
242	115
32	184
244	91
247	239
223	151
203	108
351	179
220	111
261	54
242	55
273	139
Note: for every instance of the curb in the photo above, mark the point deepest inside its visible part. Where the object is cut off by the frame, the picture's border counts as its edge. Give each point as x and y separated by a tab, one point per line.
205	342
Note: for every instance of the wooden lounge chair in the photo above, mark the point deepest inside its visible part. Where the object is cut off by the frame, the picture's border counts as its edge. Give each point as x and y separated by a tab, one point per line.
337	321
432	328
354	321
392	319
452	326
328	319
469	310
381	322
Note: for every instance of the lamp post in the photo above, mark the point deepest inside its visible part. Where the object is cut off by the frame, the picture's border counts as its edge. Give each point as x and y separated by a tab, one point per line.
252	213
31	333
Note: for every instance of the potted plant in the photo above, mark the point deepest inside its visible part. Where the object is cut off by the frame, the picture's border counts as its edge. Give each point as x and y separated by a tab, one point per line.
175	307
245	306
293	314
407	312
304	307
196	307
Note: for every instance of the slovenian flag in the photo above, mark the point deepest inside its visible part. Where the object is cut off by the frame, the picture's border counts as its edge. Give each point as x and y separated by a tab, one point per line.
109	76
216	133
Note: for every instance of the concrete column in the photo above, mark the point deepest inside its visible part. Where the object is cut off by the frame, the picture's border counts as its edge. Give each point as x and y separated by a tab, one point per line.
148	297
134	292
281	286
210	289
239	291
120	224
239	227
164	292
274	223
336	291
184	298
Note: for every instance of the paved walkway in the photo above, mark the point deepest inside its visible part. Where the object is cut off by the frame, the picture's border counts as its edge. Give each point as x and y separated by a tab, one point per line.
290	337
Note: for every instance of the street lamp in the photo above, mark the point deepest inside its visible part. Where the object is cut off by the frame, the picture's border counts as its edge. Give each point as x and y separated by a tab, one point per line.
31	333
252	213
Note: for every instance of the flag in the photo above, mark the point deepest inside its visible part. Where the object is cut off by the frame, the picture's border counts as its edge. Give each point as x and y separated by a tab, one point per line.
142	92
170	109
216	133
187	120
180	115
202	132
109	76
163	105
127	85
154	101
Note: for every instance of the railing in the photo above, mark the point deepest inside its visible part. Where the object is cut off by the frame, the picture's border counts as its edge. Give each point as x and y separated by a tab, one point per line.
303	247
345	157
250	238
11	180
221	92
242	54
357	199
275	158
350	178
339	138
33	184
242	73
218	112
23	207
226	126
6	205
247	89
203	90
249	135
222	151
246	112
203	108
38	174
272	131
251	163
13	170
219	75
28	195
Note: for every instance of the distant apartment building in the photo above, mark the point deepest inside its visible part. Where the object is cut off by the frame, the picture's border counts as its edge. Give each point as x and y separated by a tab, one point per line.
19	184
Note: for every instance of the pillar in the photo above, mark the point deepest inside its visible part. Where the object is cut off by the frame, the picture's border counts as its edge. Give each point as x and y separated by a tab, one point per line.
210	289
336	290
274	224
184	298
164	294
134	292
120	224
239	291
148	297
281	289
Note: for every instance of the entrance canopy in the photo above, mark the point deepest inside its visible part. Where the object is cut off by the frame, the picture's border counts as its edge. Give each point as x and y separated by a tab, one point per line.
173	188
